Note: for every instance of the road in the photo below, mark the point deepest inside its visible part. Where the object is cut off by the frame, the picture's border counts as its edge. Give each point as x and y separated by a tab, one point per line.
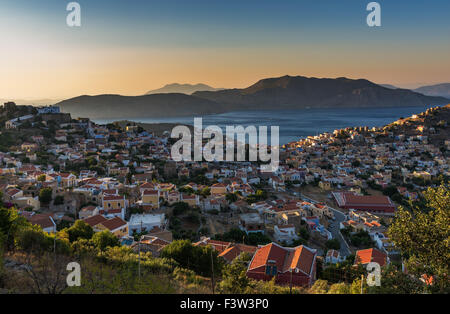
334	225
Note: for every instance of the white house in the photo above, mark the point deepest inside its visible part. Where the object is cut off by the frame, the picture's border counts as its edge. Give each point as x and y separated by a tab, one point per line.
333	257
285	233
145	222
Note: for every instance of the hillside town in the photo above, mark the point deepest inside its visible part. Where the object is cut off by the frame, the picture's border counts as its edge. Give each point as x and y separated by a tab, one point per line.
331	200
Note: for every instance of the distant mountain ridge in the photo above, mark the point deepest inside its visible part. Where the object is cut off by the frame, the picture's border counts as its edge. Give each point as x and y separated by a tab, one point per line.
292	92
31	102
123	107
435	90
285	92
187	89
440	90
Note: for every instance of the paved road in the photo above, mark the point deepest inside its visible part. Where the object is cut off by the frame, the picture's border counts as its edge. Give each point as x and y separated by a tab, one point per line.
334	226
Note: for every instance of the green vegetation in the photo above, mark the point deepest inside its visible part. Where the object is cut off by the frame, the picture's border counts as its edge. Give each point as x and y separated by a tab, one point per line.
45	195
104	240
359	239
199	259
260	195
333	244
423	236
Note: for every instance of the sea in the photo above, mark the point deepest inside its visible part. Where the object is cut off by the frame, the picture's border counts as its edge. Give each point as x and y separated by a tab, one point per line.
294	124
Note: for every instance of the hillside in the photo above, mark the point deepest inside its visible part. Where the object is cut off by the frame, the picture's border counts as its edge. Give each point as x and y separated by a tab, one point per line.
187	89
435	90
299	92
270	94
123	107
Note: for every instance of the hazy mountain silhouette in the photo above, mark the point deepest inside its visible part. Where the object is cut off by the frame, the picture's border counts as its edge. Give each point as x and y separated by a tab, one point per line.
299	92
158	105
389	86
285	92
435	90
183	89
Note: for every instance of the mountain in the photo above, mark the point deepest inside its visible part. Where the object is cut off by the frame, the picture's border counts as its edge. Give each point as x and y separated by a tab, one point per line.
126	107
286	92
183	89
31	102
290	92
442	90
388	86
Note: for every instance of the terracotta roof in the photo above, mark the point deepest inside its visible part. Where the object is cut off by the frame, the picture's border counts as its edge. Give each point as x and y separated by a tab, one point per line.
285	259
370	255
94	220
351	199
12	192
113	198
150	192
147	185
42	220
88	208
114	223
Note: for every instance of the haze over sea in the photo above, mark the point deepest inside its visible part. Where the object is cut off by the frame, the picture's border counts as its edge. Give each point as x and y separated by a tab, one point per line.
295	124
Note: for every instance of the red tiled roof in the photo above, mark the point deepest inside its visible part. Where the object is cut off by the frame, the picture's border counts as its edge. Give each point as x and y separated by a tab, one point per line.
114	223
285	259
113	198
370	255
150	192
94	220
352	199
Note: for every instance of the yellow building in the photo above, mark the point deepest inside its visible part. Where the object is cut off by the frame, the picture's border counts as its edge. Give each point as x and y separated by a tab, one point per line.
218	188
191	200
113	202
151	197
116	226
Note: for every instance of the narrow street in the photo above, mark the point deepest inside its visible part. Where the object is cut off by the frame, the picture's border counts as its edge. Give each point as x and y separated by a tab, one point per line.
334	226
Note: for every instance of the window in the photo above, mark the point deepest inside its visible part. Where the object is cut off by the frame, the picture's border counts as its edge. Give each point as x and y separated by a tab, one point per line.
268	270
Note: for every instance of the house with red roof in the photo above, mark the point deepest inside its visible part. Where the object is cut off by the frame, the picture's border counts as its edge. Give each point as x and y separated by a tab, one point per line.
45	221
367	256
227	250
371	203
287	265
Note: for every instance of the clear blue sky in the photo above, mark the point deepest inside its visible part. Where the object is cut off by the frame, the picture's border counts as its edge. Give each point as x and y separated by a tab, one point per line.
131	46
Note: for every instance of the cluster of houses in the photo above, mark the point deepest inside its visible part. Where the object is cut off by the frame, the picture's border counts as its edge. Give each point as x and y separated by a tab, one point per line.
353	159
102	173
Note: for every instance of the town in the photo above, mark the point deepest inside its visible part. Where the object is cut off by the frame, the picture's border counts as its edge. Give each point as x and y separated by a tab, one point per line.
330	202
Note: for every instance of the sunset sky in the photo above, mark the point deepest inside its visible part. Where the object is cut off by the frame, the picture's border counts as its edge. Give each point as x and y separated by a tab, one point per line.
130	47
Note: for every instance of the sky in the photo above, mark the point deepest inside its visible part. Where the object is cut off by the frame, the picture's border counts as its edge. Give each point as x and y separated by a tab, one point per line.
130	47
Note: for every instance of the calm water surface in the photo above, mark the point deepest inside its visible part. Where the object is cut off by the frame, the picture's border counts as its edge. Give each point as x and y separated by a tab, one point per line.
295	124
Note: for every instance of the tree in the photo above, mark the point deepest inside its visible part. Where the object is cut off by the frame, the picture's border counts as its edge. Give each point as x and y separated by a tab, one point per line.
339	288
59	200
231	197
42	178
319	287
196	258
80	230
355	287
10	224
234	275
105	239
423	235
45	195
47	273
180	208
333	244
394	281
